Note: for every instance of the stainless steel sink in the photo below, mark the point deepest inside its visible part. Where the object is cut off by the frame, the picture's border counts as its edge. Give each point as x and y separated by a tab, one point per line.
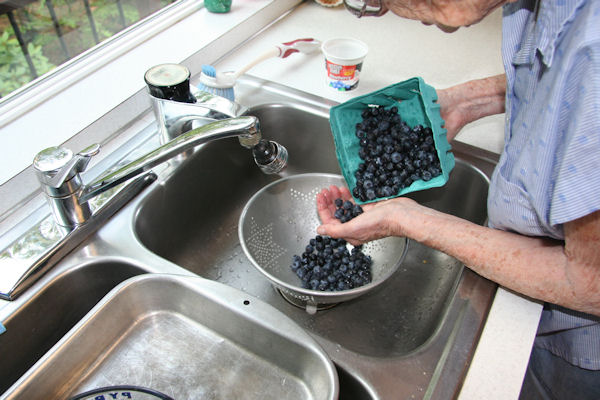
192	220
186	337
195	226
36	326
411	338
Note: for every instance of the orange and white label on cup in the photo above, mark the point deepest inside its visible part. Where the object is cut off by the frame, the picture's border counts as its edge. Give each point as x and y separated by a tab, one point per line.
343	62
342	77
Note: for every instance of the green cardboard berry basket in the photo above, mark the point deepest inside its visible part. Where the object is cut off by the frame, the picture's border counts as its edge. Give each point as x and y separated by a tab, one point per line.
416	105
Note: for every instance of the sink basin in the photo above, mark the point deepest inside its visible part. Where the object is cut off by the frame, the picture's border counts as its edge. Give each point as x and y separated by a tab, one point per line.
191	220
195	225
35	327
188	338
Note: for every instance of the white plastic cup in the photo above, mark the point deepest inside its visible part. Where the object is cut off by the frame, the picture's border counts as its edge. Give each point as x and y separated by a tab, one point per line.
343	62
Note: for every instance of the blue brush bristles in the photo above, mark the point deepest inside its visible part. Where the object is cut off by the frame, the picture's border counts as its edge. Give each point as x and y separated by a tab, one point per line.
210	84
209	70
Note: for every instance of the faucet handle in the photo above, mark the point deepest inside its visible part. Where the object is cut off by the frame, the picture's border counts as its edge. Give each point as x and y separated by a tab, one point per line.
56	165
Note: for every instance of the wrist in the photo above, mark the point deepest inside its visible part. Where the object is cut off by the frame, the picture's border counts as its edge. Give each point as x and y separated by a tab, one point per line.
478	98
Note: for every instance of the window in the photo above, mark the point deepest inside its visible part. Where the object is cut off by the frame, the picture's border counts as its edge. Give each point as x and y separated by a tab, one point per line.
39	35
56	107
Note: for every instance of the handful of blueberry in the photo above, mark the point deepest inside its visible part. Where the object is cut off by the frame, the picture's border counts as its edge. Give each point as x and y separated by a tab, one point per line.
346	210
394	154
327	264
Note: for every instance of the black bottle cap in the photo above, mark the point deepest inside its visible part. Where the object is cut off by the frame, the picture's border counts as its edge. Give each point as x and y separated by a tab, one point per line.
169	82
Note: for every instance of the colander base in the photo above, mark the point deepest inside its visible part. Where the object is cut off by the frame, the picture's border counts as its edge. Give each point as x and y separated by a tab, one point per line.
303	304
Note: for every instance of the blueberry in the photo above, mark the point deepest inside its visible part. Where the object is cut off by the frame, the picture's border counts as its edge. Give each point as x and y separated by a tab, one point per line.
339	213
387	191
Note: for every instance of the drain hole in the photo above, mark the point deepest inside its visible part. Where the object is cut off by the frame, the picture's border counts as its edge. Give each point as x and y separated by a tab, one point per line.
246	302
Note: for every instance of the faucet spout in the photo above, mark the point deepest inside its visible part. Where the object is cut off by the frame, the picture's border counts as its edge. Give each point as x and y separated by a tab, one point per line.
58	169
245	128
173	118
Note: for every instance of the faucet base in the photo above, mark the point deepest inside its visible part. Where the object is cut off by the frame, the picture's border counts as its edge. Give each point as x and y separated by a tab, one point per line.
26	259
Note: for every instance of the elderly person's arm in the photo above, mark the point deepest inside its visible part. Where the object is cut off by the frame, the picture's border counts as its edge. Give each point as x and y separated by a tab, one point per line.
565	273
471	101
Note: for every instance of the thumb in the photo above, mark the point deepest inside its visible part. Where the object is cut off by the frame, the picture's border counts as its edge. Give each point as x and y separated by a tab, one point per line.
327	229
335	230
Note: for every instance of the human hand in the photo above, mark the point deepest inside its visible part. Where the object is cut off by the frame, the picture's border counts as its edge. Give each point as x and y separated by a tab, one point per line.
378	220
451	112
326	202
469	101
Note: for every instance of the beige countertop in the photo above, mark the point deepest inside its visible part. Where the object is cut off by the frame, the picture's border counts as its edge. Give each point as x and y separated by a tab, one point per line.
400	49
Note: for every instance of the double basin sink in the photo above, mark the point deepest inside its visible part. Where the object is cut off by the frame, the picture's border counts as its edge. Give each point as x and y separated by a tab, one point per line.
413	337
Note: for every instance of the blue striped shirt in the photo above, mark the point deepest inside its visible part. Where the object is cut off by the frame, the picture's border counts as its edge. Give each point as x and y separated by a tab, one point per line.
549	171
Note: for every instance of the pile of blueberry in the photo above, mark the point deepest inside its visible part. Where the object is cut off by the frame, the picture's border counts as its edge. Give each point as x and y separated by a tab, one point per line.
327	264
393	154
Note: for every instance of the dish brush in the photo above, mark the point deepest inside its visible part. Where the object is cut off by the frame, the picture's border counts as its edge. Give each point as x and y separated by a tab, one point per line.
222	83
210	84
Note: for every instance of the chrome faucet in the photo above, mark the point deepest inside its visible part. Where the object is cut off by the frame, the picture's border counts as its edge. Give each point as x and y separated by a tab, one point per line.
174	117
179	106
196	118
58	168
77	208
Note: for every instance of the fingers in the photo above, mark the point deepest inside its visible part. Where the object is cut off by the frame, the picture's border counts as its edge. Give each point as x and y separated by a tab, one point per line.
326	202
337	230
324	207
345	194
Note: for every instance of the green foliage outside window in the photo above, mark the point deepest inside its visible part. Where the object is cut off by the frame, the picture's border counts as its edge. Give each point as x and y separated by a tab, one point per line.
14	71
43	44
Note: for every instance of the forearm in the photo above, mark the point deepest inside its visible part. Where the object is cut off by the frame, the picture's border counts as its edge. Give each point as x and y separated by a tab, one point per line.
535	267
480	98
470	101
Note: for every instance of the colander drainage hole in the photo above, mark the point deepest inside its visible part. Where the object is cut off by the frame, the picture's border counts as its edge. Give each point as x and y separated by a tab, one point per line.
246	302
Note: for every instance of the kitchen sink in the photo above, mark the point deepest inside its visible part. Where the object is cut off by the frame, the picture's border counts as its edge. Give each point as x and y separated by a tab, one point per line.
412	337
192	220
35	327
186	337
195	226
